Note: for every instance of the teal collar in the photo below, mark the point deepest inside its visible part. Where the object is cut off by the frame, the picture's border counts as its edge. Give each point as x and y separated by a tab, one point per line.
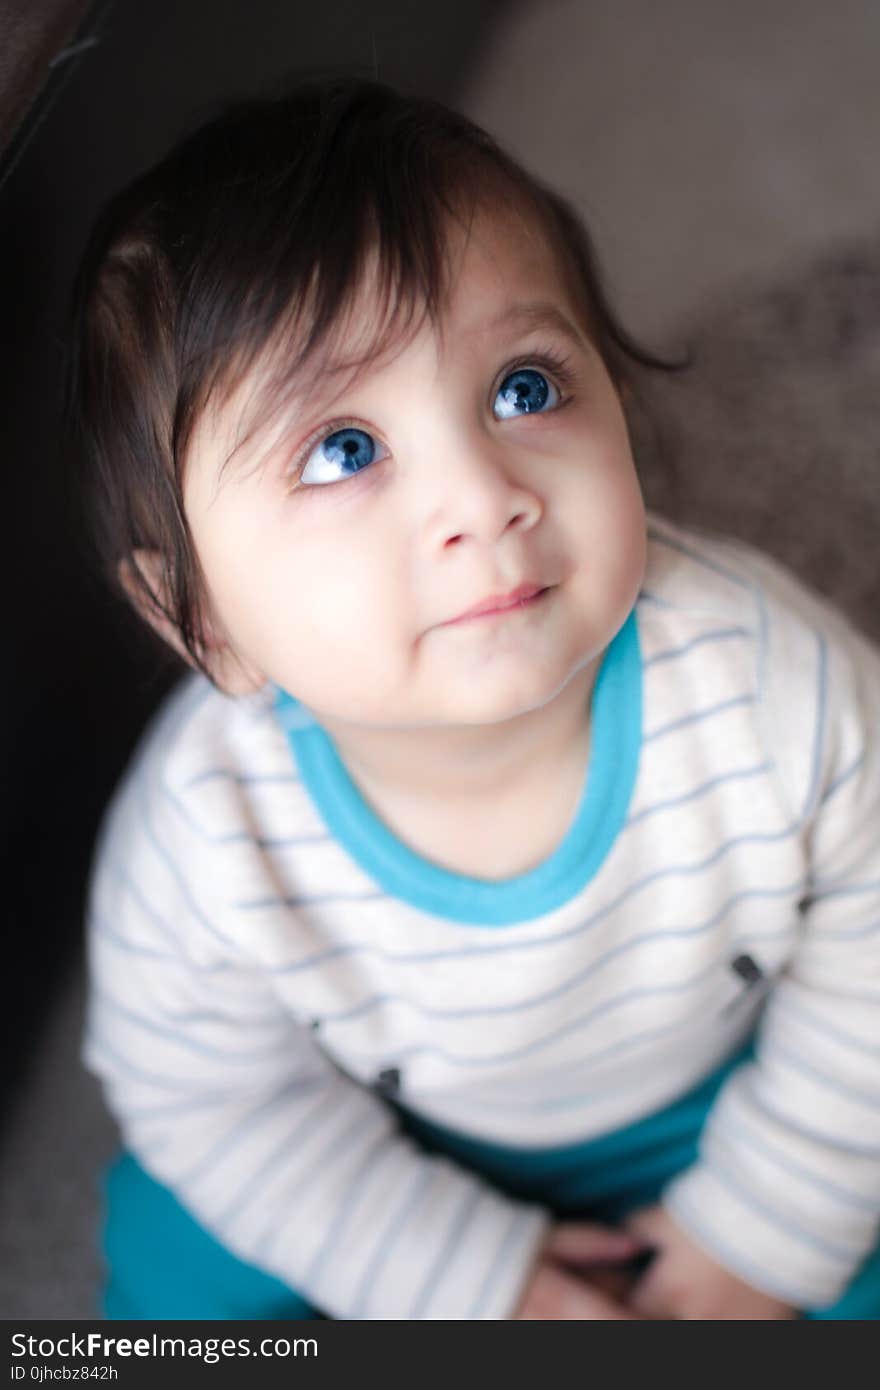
615	743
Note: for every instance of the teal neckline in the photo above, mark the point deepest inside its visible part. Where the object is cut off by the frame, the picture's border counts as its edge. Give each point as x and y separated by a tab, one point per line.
615	744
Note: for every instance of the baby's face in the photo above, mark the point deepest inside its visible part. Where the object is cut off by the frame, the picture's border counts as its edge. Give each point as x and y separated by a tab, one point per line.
486	459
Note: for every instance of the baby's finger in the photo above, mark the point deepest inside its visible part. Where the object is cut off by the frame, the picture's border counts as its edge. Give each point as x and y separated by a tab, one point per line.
646	1299
557	1296
602	1306
586	1242
648	1224
613	1280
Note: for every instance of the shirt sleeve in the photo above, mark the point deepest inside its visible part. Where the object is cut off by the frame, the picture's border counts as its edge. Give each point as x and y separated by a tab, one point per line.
786	1191
229	1102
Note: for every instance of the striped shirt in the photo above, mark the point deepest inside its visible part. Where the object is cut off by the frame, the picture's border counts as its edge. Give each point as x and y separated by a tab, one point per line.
266	955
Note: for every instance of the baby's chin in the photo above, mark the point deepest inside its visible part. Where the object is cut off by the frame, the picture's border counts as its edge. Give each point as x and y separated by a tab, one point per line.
481	705
499	689
487	702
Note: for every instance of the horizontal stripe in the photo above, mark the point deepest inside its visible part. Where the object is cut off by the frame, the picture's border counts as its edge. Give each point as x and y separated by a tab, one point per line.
844	777
737	775
181	1039
242	779
846	1255
648	596
576	1025
697	716
820	894
308	900
102	929
133	888
799	1125
830	1030
836	1083
98	1048
707	562
716	635
832	934
741	1134
204	1100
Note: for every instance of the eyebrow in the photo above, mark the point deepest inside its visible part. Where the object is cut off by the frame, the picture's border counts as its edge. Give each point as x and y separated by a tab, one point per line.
536	315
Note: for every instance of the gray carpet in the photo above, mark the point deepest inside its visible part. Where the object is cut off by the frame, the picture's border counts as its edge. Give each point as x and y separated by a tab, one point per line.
774	436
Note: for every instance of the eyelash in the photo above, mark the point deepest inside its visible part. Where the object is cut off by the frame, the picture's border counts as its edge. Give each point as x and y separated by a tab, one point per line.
553	362
298	463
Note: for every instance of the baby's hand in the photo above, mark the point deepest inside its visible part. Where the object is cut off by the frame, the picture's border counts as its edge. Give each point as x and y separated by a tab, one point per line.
683	1281
561	1287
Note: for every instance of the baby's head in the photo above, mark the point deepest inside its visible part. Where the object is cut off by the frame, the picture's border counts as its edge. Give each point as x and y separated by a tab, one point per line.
342	372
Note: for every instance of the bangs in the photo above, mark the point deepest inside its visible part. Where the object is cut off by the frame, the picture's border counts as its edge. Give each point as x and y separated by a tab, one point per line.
356	311
322	248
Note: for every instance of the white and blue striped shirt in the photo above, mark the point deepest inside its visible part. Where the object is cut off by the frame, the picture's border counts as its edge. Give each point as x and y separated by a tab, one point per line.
263	949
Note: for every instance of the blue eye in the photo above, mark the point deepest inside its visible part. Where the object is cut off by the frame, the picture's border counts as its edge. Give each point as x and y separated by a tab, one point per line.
524	392
339	455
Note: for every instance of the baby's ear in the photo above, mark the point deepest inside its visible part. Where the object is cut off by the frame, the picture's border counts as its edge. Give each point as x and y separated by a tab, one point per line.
149	602
230	674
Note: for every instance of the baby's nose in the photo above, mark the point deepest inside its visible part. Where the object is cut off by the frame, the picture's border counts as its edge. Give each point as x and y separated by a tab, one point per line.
482	497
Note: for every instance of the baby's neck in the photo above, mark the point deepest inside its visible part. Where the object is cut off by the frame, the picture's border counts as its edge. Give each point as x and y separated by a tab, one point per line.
471	763
488	802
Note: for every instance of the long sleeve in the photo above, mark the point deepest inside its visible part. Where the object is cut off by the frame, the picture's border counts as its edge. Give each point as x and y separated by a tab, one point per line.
227	1099
786	1191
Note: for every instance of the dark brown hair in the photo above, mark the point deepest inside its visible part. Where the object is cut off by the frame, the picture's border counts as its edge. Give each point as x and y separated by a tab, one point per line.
253	233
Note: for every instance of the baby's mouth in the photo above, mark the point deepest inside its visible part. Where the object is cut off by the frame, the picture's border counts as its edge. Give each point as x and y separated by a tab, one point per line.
497	605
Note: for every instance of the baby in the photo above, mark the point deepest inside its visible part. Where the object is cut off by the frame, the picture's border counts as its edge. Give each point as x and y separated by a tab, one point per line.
488	927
